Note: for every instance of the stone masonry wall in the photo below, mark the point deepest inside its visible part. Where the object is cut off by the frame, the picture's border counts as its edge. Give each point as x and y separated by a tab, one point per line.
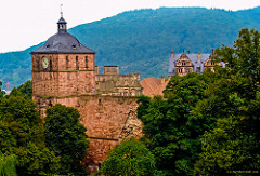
108	119
63	77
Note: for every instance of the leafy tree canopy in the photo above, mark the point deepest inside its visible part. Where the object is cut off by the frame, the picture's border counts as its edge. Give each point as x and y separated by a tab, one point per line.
1	92
131	158
171	131
7	164
21	133
66	136
23	90
234	144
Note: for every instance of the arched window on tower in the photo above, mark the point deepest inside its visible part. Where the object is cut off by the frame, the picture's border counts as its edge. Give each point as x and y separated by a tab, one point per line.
77	63
67	62
38	64
50	64
86	61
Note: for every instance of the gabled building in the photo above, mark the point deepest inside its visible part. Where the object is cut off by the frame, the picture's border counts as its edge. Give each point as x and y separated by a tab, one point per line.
182	64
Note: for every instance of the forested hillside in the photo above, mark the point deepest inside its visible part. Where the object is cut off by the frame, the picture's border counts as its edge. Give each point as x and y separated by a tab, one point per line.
140	41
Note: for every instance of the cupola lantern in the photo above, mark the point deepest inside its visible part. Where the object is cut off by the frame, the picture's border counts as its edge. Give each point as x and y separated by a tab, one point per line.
62	25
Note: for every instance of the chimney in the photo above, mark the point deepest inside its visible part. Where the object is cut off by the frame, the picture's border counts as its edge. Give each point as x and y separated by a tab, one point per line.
97	69
162	79
171	53
199	56
188	51
212	51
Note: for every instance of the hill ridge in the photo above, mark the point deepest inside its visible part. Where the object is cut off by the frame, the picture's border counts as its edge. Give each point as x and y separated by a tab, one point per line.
141	40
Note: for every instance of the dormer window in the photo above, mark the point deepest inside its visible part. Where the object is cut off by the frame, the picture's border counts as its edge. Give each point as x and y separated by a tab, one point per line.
74	46
48	46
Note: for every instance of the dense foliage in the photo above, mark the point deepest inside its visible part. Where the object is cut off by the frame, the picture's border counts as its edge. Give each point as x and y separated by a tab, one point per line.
171	131
23	90
67	138
7	164
234	145
141	41
131	157
1	92
22	134
208	124
29	147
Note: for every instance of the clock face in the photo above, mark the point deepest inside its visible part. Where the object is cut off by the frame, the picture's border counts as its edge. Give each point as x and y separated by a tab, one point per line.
45	62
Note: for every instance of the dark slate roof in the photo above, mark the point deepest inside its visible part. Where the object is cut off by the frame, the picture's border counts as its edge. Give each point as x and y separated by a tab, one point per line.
194	59
62	42
62	21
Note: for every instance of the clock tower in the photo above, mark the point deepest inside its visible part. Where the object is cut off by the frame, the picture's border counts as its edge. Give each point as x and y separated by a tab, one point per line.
62	67
63	72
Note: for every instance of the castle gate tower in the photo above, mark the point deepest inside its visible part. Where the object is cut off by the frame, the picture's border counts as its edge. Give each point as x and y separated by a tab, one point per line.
63	72
62	66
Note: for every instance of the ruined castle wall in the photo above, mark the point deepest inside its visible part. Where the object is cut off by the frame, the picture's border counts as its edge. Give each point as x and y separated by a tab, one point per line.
108	120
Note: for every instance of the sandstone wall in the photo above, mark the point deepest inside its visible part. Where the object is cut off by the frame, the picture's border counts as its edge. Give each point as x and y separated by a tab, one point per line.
108	119
67	74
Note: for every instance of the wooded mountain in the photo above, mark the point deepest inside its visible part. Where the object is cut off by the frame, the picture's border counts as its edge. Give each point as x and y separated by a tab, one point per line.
141	40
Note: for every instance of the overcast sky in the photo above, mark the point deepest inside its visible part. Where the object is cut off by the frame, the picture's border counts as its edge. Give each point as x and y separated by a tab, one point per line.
28	22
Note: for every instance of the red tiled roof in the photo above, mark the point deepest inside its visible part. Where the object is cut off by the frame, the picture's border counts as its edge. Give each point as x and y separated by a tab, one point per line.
153	86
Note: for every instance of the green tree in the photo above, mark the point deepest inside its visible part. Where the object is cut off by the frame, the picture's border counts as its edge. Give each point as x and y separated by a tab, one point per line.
67	137
7	164
172	132
1	92
131	157
235	100
143	101
22	134
23	90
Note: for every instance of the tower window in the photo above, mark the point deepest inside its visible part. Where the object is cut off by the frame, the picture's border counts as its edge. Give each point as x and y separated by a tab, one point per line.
77	63
67	62
50	65
38	64
86	61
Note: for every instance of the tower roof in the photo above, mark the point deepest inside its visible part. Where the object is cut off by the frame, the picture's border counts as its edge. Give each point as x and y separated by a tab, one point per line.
62	42
61	21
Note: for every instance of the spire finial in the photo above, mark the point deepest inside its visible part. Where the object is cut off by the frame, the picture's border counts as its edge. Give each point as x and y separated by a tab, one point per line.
61	10
62	25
